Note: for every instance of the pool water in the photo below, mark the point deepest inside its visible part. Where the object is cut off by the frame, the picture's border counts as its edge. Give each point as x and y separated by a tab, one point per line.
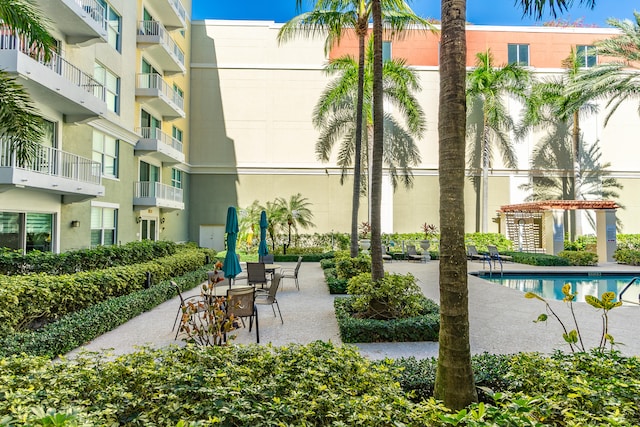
550	286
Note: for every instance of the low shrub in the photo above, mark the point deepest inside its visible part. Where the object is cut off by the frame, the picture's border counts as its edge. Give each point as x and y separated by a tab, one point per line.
579	257
73	330
347	267
328	263
336	286
396	296
537	259
628	241
627	256
292	256
424	327
481	240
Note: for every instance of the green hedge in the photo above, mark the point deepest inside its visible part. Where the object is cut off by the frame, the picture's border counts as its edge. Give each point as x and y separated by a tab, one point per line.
537	259
627	256
293	257
14	262
73	330
579	257
353	330
31	300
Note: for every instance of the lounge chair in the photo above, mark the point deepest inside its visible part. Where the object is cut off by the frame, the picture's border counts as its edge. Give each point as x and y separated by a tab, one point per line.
496	256
473	255
385	255
413	255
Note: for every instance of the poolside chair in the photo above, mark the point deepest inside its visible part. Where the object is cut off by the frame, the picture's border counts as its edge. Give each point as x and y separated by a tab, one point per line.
496	256
267	259
263	298
292	273
241	303
473	255
413	255
385	255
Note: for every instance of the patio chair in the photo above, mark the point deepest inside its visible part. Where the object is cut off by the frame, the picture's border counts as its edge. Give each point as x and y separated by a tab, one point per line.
241	303
292	273
184	303
473	255
412	254
270	297
267	259
256	274
496	256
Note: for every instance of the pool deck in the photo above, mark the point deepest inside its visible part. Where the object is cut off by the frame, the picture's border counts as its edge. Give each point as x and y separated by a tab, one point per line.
501	319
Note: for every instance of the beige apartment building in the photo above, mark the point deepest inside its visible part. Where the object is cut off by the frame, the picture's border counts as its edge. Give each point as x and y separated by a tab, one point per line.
113	165
253	101
156	124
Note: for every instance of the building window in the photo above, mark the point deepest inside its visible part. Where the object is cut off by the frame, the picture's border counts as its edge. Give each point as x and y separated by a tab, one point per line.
26	231
114	25
105	152
587	56
518	54
386	51
103	226
176	133
178	91
176	178
111	83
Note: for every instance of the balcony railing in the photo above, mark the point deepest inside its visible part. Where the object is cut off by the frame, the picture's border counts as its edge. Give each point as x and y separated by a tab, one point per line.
155	81
156	190
155	28
180	9
10	41
157	134
94	10
53	162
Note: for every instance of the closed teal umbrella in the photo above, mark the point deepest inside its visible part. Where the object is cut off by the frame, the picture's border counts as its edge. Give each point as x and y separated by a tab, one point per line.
231	267
263	248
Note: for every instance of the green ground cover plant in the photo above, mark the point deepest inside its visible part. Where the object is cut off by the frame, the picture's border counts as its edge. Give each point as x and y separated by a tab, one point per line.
584	258
314	384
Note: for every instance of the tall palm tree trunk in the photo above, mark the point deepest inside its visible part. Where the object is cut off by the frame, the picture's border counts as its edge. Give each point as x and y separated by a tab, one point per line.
576	228
355	202
377	269
454	377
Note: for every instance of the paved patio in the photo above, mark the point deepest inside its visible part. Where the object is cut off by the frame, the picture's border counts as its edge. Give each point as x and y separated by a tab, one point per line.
501	319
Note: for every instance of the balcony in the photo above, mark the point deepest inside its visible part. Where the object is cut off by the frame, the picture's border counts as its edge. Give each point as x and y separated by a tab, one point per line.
51	170
153	91
54	82
156	41
148	194
82	21
171	13
160	145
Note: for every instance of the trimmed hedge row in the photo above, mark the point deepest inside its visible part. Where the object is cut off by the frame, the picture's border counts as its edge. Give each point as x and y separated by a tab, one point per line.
13	262
537	259
31	300
421	328
584	258
75	329
627	256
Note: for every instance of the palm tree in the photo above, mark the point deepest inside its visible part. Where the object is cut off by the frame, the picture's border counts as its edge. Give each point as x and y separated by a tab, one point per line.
555	102
296	212
333	17
20	122
487	87
454	377
334	115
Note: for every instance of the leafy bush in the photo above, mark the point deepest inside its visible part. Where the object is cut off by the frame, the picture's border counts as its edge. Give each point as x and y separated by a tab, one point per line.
347	267
73	330
328	263
336	286
537	259
31	300
14	262
424	327
395	296
627	256
628	241
581	243
481	240
579	257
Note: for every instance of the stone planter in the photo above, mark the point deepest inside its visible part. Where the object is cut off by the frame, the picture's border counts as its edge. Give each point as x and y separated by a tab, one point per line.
365	244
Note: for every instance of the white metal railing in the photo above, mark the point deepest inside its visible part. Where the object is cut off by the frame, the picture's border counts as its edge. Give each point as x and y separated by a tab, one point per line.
54	162
155	81
180	9
10	41
94	10
148	189
157	134
155	28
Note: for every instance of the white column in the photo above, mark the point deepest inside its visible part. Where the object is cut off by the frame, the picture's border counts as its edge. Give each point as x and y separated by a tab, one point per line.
606	233
553	231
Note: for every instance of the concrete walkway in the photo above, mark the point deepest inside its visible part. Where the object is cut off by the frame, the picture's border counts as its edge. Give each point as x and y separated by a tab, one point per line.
501	319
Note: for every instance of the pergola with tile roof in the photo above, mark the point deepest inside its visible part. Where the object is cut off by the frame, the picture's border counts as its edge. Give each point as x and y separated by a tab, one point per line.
552	219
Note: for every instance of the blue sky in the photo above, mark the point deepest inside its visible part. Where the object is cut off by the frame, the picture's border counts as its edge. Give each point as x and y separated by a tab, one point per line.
500	12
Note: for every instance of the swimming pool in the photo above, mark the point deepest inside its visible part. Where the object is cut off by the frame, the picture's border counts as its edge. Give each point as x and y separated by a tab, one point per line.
550	285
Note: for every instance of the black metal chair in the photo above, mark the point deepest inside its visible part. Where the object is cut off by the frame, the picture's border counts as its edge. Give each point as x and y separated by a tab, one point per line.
241	303
269	298
292	273
256	274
